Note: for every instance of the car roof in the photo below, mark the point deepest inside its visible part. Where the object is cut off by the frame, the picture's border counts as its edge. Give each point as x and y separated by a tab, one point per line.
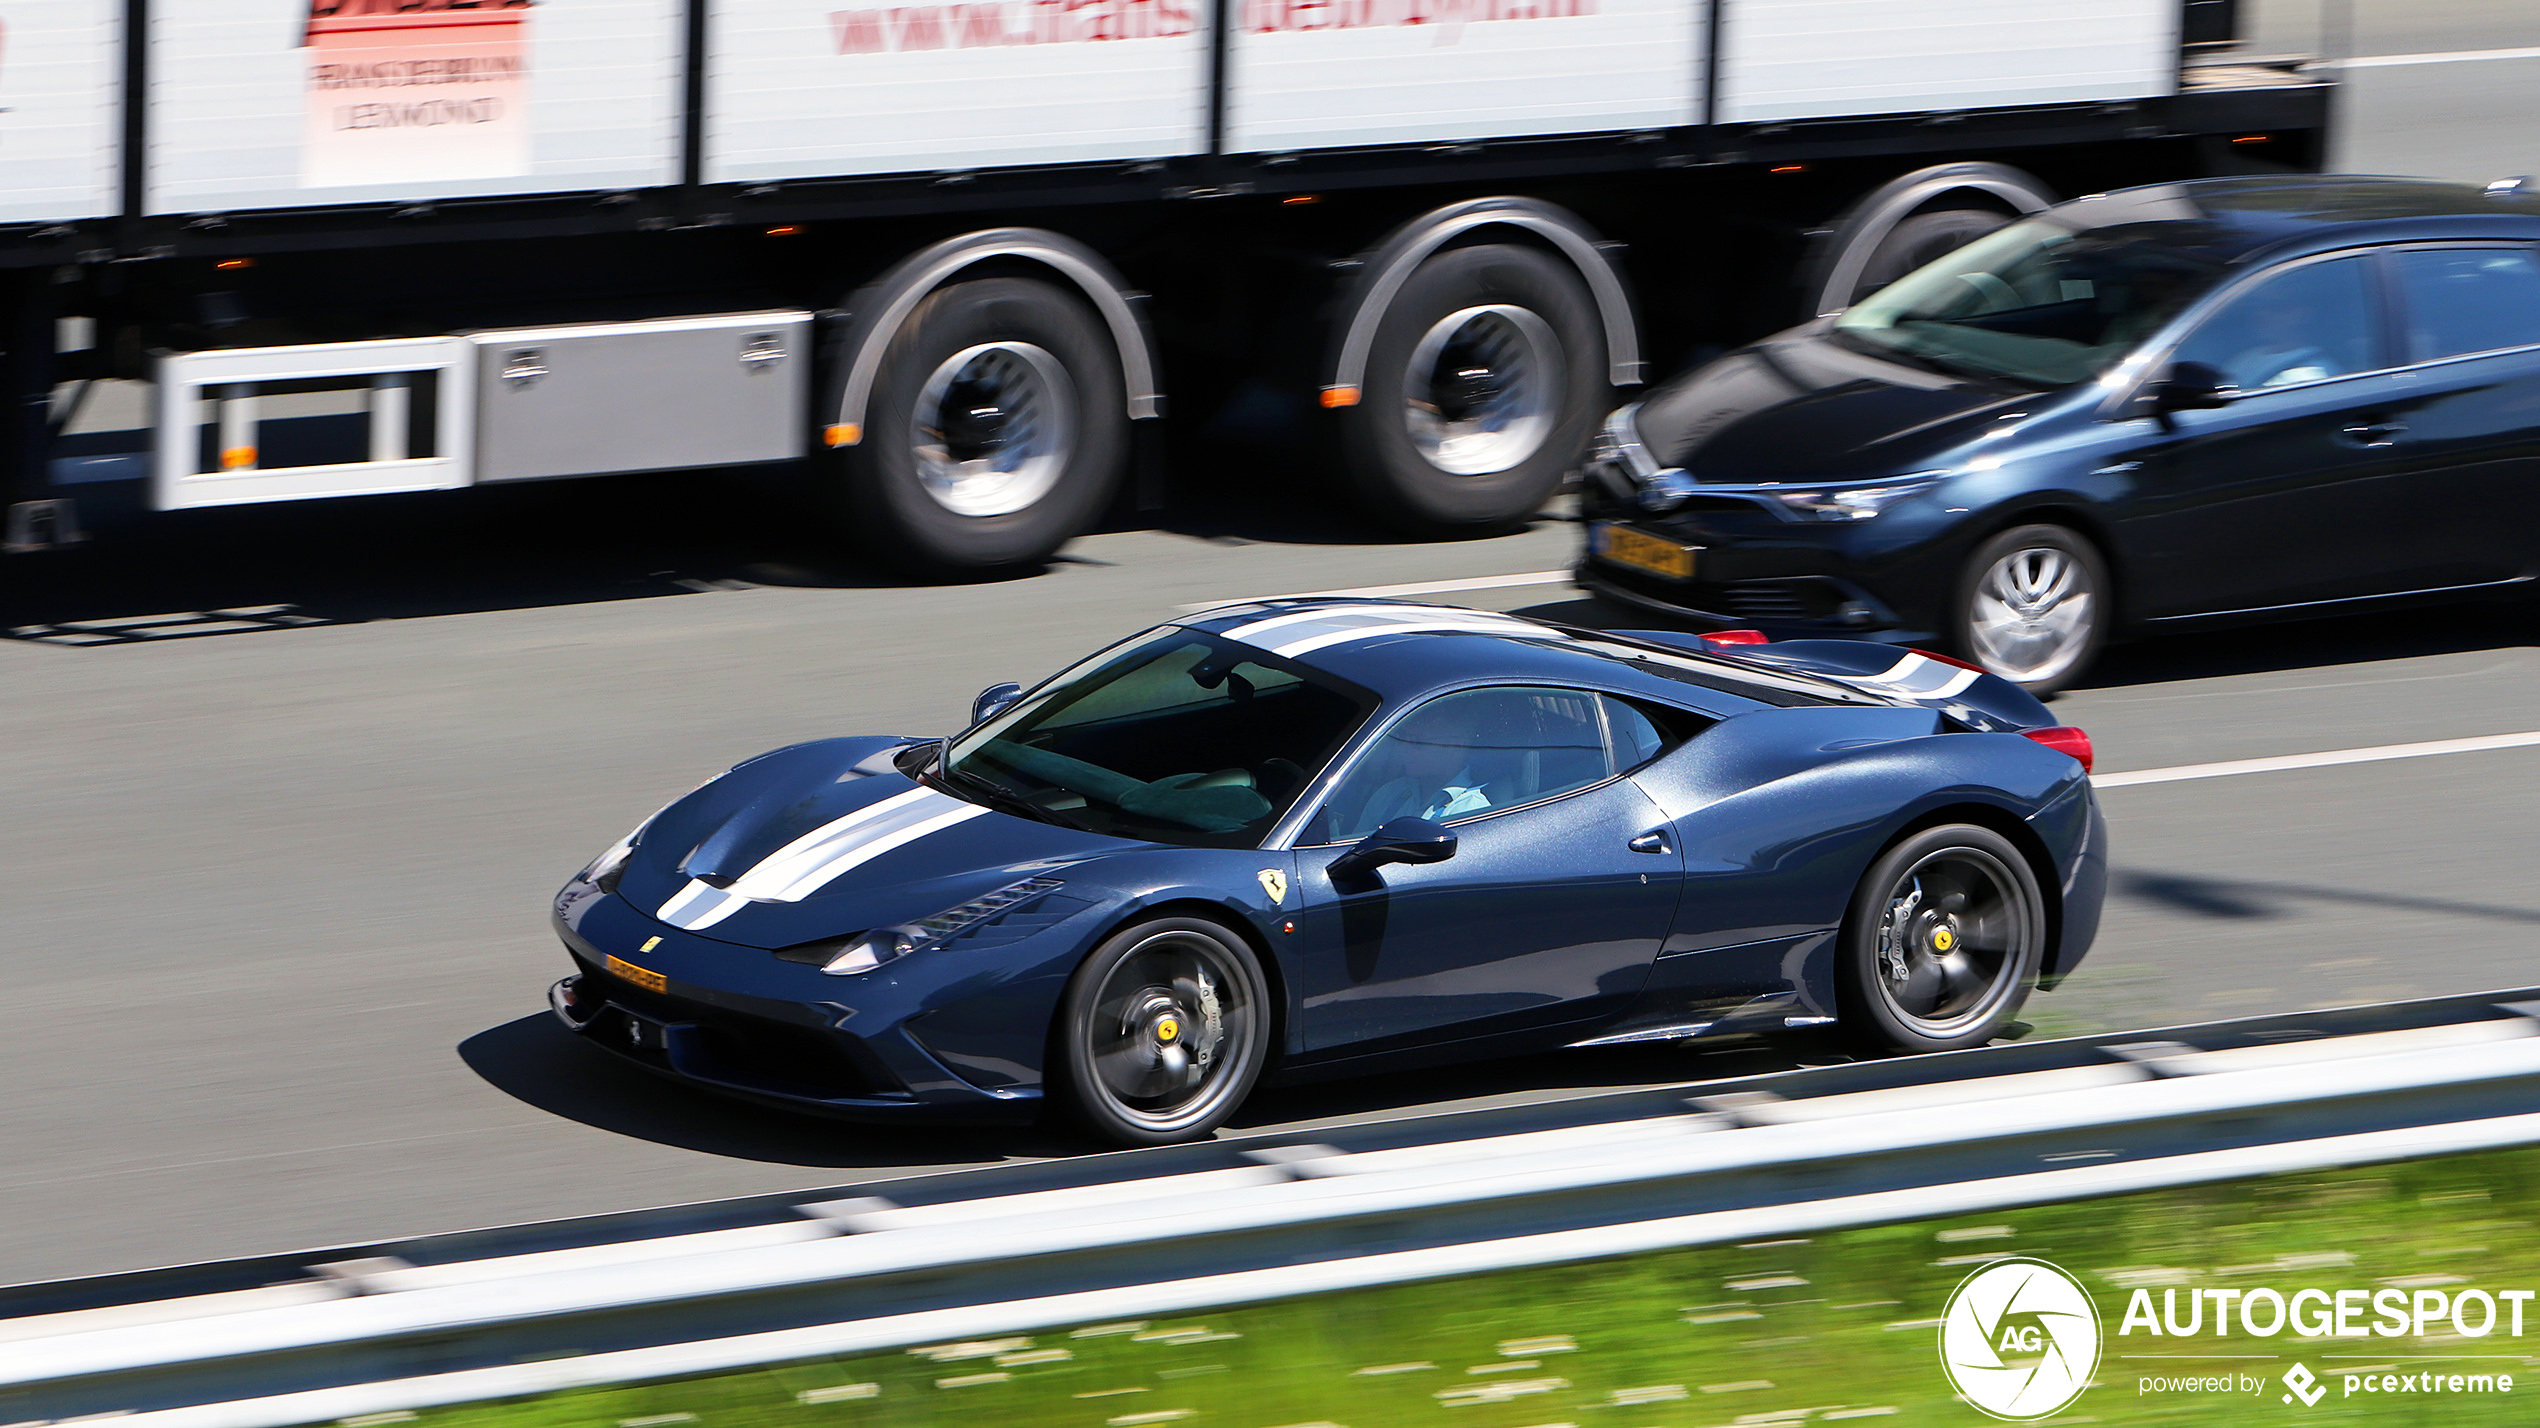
1401	651
2283	214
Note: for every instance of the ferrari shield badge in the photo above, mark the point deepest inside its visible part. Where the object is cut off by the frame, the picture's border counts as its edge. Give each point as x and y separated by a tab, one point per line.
1275	884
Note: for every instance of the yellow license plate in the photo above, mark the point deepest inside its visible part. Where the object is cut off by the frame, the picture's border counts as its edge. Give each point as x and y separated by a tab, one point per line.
1641	551
628	971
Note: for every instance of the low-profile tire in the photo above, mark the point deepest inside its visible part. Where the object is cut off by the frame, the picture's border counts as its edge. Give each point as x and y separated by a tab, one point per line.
996	430
1162	1033
2033	606
1484	382
1922	238
1942	943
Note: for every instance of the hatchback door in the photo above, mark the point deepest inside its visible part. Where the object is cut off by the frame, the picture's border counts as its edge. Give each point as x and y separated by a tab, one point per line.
2293	491
2470	327
1553	907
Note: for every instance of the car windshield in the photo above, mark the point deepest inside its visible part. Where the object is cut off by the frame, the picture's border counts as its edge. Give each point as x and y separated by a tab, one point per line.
2040	302
1175	737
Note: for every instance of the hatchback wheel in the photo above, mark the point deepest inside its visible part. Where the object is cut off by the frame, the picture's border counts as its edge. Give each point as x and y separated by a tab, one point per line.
1162	1033
1942	943
2033	607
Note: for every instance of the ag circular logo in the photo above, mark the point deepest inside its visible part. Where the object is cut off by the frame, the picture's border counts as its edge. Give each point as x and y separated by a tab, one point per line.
2019	1339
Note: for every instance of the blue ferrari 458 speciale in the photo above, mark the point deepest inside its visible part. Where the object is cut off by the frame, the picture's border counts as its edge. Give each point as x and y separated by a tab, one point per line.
1303	838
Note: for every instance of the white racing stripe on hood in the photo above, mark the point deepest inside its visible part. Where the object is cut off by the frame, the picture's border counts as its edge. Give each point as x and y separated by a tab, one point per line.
1916	677
817	858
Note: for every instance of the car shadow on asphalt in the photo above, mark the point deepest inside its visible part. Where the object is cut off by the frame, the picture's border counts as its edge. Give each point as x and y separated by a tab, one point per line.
2409	633
2253	898
537	1062
2318	644
144	577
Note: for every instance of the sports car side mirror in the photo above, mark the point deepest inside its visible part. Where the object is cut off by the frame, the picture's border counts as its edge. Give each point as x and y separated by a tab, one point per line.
992	700
1399	840
2192	387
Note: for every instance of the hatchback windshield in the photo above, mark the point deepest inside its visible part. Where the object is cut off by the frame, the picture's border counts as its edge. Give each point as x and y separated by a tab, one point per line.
1178	736
2039	302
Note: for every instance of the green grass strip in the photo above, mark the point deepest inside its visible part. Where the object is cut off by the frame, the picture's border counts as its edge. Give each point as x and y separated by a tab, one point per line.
1831	1329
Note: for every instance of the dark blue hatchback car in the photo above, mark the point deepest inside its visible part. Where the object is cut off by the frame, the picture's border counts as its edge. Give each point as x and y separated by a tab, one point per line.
1307	838
2207	402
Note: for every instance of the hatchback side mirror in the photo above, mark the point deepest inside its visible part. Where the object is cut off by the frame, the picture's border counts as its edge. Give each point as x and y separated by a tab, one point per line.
993	700
2192	387
1399	840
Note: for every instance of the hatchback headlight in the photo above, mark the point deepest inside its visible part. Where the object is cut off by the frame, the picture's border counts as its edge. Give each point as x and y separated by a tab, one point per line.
1851	503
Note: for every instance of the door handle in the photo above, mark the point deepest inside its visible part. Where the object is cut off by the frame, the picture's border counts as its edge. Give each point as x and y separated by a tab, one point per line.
2375	433
1653	841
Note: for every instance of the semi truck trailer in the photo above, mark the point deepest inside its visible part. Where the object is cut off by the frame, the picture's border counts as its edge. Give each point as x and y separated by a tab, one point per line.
948	259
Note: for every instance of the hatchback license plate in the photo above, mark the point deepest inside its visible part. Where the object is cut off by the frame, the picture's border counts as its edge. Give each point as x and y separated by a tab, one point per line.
1641	551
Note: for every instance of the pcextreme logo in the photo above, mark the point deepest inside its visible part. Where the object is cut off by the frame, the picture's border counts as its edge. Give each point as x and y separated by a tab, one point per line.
2019	1339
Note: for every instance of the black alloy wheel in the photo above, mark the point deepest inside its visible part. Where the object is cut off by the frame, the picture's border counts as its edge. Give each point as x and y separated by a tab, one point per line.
2033	607
1943	941
1162	1033
1486	378
996	430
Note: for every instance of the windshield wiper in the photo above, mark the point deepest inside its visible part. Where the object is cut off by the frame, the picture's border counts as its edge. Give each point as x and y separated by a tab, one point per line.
994	794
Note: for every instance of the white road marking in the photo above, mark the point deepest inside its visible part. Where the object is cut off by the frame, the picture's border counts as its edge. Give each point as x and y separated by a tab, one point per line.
2431	57
1387	592
2327	759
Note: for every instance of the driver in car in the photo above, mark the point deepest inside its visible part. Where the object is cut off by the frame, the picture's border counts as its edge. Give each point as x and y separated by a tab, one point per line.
2286	351
1437	780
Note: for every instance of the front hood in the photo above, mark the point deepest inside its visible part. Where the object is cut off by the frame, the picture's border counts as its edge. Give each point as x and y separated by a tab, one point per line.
826	839
1800	408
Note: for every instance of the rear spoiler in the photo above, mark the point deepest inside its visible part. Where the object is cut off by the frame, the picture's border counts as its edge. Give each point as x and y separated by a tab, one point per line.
1970	696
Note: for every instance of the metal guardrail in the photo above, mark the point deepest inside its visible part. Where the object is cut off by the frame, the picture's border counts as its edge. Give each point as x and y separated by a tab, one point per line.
265	1343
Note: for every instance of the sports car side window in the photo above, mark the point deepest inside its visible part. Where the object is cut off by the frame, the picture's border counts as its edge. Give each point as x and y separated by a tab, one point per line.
2306	324
1469	753
1640	733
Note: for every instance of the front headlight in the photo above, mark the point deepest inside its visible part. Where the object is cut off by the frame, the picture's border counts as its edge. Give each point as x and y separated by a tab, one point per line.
1851	503
861	953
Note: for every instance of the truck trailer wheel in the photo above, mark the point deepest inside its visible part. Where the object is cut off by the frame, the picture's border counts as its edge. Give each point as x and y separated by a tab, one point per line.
1920	239
996	431
1486	378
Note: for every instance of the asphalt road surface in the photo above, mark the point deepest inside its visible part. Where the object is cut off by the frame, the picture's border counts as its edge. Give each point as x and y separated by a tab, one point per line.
287	791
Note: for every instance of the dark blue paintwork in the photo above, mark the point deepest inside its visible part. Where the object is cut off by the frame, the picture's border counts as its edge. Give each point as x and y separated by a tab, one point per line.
1545	928
2375	487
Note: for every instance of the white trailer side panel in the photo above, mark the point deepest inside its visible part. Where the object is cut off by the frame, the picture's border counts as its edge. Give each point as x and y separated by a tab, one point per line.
255	105
1792	59
60	64
804	88
1329	73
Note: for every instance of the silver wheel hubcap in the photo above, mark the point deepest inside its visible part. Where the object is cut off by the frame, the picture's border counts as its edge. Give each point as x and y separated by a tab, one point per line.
994	428
1482	389
2033	614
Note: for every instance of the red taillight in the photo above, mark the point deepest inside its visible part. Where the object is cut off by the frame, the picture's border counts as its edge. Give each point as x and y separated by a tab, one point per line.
2064	739
1737	637
1952	659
